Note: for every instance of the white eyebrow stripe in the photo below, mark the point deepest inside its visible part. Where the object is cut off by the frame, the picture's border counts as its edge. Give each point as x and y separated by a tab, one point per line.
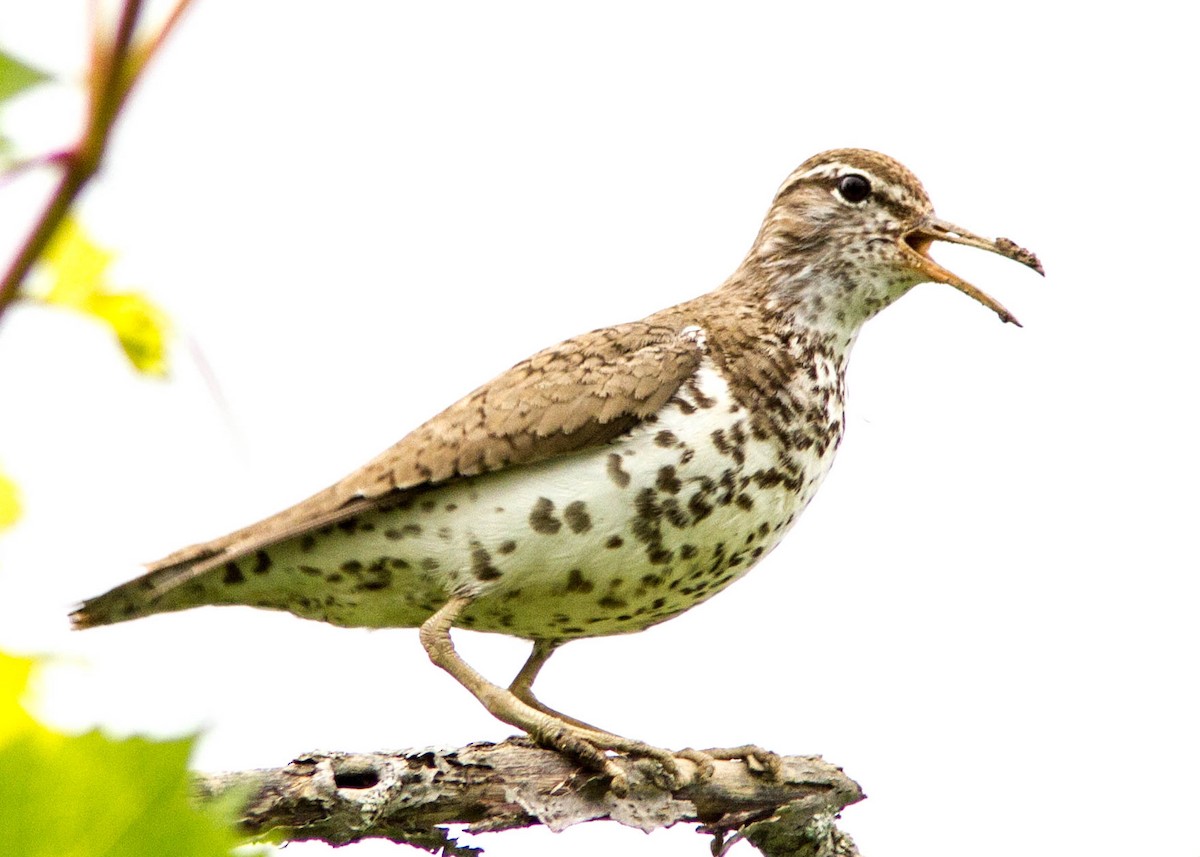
836	168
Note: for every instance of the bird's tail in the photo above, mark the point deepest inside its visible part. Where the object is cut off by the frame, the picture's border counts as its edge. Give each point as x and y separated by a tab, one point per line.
159	590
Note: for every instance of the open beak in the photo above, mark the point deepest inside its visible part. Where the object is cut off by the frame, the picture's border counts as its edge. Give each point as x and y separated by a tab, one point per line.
916	242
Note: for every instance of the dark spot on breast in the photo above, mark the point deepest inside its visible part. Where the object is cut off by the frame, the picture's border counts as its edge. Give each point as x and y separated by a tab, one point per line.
311	571
428	505
576	582
646	506
701	400
674	514
619	477
666	438
542	519
451	507
699	507
720	442
687	551
307	542
352	566
506	547
667	480
395	533
233	574
577	517
767	478
374	578
744	502
614	542
262	562
611	602
481	563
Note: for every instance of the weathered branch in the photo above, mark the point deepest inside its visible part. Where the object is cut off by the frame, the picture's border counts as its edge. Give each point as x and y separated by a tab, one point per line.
408	796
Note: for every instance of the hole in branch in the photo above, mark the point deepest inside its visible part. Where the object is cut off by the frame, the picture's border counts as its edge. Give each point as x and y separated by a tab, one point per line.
349	775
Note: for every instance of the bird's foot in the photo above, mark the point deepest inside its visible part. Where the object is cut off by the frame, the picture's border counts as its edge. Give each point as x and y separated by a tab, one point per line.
591	748
759	761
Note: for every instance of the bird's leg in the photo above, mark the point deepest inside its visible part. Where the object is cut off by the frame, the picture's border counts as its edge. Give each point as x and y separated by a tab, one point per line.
522	685
756	757
585	744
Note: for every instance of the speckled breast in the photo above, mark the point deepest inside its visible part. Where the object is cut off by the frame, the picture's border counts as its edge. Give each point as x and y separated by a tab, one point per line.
606	541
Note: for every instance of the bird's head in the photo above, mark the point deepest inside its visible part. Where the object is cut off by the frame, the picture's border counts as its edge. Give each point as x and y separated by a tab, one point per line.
850	231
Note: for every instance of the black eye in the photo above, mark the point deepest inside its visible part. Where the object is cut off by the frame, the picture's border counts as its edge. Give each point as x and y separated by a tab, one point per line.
854	188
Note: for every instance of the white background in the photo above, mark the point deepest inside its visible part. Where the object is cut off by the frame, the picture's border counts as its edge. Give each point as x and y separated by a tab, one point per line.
359	211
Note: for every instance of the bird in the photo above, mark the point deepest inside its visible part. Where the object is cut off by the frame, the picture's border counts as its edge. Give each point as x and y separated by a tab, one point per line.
610	482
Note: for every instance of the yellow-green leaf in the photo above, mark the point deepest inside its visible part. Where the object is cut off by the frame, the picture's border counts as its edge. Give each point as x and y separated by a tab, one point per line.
141	328
16	76
14	676
78	279
10	503
77	266
93	796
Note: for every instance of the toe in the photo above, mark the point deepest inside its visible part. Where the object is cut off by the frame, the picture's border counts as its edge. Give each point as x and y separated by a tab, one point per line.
704	762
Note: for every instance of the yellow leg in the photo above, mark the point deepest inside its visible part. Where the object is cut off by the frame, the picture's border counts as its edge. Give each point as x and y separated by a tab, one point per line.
522	685
584	743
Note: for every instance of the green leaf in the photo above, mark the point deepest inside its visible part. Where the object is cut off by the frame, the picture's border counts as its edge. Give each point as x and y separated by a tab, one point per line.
78	280
16	76
93	796
10	501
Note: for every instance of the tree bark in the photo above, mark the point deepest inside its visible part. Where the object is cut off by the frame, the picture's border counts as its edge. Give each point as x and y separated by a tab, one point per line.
408	796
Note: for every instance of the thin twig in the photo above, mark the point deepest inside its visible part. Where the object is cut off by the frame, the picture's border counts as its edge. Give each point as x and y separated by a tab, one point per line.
115	67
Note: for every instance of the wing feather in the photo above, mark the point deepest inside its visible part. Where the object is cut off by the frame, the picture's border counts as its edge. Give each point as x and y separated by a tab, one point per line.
543	407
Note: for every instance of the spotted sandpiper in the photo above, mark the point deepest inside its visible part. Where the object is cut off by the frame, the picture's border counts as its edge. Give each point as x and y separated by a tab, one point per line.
607	483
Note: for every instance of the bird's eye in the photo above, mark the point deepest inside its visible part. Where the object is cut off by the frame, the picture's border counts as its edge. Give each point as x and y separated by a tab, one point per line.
854	188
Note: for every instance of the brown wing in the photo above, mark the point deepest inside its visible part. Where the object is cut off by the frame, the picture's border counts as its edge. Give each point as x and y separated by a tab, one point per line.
582	392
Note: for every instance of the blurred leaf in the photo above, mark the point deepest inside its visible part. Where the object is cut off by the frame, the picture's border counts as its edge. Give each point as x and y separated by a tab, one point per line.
10	502
14	676
141	328
78	280
92	796
16	76
76	264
